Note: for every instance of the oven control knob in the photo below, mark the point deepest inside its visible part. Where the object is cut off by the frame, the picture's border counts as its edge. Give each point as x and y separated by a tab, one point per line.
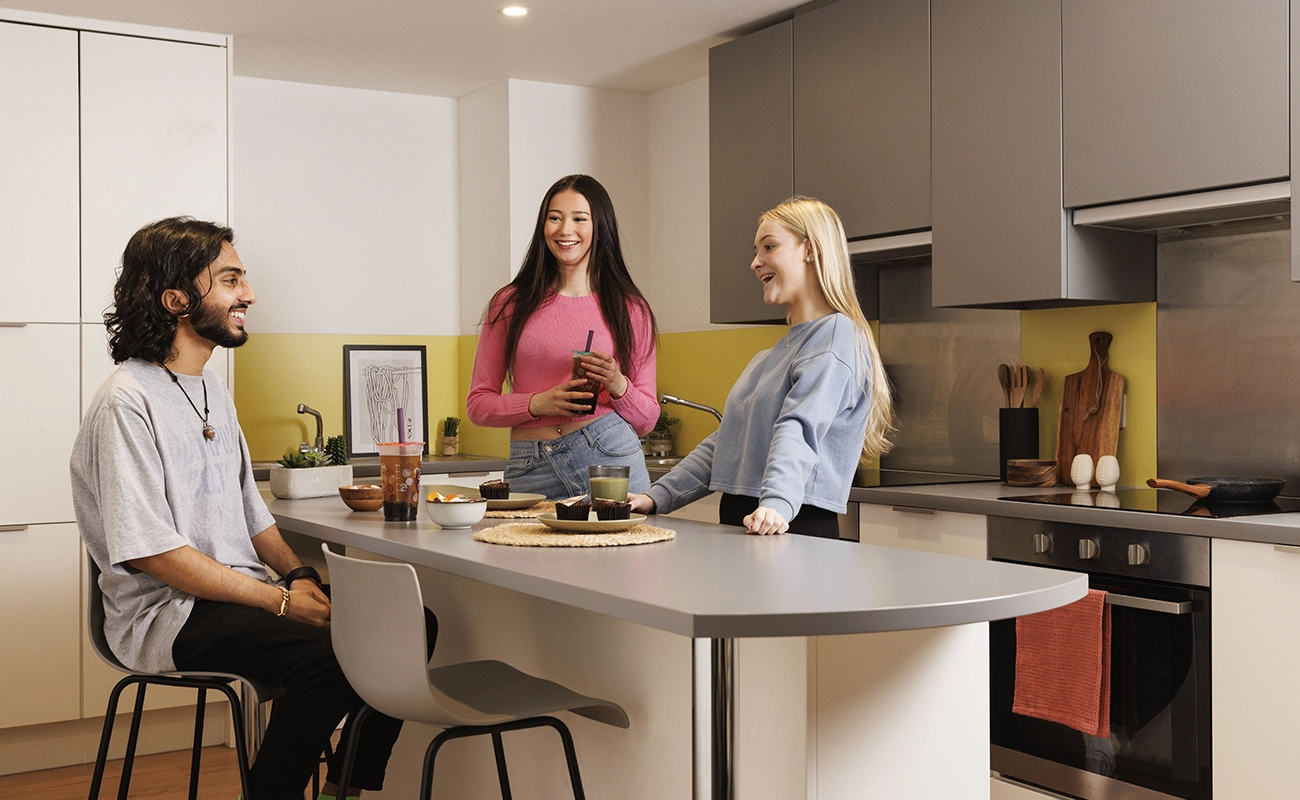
1088	549
1042	543
1138	554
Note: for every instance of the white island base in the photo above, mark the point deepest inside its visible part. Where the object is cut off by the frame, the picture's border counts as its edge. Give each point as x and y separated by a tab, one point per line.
895	715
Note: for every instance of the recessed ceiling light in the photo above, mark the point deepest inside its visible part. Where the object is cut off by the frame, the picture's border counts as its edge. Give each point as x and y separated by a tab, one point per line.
514	11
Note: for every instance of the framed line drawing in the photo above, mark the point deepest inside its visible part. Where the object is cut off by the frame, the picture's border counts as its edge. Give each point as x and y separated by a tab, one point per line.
378	379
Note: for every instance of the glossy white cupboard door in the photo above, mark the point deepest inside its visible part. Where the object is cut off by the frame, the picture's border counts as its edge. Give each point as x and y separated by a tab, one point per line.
38	406
39	213
153	143
948	532
40	627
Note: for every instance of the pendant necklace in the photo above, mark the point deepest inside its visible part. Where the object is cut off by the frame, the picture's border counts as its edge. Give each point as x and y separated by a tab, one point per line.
208	432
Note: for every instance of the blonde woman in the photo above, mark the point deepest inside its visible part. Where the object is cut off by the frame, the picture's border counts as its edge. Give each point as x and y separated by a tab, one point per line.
802	414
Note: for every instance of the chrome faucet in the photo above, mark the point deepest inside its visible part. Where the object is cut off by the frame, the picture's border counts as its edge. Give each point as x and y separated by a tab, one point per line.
667	398
320	429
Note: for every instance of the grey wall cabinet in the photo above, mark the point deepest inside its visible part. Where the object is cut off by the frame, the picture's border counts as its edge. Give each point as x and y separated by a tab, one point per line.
1295	125
862	112
751	163
1001	236
1164	97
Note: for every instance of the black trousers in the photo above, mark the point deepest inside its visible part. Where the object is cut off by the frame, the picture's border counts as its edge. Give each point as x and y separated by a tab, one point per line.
224	637
810	521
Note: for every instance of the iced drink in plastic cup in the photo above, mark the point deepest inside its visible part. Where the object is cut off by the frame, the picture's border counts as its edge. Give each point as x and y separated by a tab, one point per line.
590	386
399	474
608	483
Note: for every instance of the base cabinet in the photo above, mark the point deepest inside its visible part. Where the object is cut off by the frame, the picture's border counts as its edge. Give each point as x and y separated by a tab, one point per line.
1255	647
947	532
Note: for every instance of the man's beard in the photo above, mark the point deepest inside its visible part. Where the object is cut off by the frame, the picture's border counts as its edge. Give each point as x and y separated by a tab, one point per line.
214	326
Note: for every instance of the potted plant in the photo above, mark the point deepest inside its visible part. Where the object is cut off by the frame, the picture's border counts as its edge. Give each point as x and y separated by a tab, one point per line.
660	440
450	440
312	473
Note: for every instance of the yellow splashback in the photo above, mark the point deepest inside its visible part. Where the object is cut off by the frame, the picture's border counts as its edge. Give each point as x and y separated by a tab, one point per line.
1057	340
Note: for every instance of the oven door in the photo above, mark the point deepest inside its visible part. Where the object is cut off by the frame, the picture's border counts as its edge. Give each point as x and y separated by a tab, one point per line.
1160	704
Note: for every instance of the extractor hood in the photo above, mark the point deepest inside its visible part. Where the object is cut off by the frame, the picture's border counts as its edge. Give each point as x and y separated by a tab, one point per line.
893	247
1164	214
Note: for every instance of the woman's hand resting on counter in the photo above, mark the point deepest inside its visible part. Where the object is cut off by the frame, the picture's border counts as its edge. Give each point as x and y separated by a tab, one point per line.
560	401
764	521
641	503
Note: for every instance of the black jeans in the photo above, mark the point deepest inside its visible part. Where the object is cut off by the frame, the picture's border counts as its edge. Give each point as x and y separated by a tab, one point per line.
224	637
810	521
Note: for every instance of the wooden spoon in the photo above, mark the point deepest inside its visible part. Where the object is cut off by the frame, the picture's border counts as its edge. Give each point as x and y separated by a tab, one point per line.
1198	490
1019	384
1038	388
1004	378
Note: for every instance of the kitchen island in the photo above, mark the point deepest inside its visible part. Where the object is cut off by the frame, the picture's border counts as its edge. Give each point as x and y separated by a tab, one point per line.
851	656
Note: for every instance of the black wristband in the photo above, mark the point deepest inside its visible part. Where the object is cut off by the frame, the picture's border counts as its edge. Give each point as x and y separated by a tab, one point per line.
299	573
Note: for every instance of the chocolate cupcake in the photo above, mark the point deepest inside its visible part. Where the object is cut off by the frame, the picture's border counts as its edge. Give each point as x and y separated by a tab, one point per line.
612	509
576	508
494	490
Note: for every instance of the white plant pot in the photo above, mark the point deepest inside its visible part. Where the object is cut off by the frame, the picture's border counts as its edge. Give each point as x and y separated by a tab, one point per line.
299	484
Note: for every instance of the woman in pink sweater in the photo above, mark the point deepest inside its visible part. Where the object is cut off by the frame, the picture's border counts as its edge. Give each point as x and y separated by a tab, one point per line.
573	281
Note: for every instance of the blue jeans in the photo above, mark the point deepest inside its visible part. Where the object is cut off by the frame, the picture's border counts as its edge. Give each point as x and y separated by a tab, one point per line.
558	469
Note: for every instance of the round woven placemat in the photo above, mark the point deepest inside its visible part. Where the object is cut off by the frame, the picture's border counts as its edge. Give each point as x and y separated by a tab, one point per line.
532	512
532	534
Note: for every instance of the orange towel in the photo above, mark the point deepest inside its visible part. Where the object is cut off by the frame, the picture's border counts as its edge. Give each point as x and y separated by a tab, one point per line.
1063	665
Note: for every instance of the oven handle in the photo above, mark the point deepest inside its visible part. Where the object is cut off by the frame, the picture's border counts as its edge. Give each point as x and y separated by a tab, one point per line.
1159	606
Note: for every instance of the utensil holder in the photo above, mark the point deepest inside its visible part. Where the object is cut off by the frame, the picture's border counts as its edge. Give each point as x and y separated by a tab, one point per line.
1017	436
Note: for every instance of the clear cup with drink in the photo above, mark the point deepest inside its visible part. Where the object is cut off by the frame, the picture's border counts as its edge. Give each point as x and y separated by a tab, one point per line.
608	483
399	475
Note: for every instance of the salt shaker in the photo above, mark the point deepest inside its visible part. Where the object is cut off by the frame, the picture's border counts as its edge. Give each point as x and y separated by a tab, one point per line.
1107	473
1081	472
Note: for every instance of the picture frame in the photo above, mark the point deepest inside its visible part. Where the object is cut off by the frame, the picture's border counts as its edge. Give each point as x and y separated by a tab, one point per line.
377	380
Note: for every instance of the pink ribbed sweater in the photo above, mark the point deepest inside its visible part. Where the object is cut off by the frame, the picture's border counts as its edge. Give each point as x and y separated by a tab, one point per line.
544	359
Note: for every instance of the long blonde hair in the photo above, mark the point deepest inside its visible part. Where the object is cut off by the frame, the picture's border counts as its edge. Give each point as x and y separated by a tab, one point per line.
818	225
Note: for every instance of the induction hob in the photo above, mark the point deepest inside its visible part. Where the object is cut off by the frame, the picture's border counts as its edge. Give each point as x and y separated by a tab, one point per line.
1159	501
873	478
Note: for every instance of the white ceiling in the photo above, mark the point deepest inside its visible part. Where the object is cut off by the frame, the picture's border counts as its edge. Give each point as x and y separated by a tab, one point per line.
449	48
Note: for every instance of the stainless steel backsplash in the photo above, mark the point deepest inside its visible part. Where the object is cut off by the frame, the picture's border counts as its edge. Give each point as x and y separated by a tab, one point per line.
943	366
1228	354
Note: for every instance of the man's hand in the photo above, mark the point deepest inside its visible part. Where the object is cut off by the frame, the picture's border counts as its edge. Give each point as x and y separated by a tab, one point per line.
764	521
641	503
307	603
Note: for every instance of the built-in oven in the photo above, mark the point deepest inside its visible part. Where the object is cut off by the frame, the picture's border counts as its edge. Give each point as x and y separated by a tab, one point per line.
1159	598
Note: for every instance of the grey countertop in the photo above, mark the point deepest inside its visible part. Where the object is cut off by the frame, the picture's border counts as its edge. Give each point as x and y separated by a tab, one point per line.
368	467
982	498
713	581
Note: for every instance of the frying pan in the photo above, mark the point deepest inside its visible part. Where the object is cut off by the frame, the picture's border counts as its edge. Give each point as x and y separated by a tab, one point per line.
1225	490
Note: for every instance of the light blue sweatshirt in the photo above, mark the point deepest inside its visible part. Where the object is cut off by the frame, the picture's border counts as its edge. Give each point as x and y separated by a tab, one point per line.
792	428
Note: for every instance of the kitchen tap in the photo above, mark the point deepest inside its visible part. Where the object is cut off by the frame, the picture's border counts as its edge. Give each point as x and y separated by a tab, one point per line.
667	398
320	429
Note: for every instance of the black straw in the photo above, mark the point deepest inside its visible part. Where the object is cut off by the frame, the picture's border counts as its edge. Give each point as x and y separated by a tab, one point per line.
590	334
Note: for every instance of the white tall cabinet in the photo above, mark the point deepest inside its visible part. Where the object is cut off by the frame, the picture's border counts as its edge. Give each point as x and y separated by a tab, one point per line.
104	127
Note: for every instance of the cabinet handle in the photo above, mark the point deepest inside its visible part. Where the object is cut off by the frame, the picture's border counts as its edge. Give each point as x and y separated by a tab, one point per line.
12	528
1159	606
913	510
13	324
1286	548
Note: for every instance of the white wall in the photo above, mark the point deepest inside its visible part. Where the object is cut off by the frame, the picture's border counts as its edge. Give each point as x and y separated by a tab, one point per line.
485	261
675	277
347	208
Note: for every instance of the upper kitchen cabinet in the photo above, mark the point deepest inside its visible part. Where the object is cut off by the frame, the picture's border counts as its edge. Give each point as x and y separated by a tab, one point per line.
153	145
1001	234
38	193
862	112
751	163
1162	98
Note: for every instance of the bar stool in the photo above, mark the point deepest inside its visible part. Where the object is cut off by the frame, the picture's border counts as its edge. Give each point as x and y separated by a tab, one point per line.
377	627
253	696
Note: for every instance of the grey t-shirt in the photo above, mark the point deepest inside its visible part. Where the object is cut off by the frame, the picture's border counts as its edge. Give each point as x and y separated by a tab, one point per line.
145	481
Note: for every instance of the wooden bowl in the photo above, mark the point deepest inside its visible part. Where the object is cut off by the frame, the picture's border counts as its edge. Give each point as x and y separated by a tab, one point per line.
362	498
1030	472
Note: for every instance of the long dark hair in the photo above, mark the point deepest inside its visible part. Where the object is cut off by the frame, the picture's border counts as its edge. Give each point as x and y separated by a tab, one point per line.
167	254
607	275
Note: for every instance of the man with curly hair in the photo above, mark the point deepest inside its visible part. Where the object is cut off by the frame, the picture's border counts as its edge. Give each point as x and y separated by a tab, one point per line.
165	498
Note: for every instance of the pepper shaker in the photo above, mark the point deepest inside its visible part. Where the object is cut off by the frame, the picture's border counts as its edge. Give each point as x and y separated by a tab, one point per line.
1107	473
1081	472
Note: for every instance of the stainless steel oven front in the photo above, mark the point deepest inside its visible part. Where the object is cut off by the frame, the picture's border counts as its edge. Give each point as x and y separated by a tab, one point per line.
1158	591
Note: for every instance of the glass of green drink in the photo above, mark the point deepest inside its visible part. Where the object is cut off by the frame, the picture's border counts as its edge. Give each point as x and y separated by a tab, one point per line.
608	483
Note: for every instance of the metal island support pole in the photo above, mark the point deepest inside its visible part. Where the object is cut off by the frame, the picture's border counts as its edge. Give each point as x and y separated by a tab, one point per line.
714	671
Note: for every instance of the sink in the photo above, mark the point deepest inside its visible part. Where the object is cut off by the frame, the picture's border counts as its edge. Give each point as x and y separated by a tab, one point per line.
658	467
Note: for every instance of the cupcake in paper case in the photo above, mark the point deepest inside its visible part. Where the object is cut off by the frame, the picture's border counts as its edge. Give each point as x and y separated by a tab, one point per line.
494	490
612	509
574	508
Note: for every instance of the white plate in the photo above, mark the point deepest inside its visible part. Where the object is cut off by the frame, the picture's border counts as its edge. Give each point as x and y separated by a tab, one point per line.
517	500
591	525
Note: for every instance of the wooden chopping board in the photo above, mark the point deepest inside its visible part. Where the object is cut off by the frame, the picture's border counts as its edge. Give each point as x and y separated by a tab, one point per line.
1091	402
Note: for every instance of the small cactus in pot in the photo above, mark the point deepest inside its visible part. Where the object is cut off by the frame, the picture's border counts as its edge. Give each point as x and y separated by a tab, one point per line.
450	437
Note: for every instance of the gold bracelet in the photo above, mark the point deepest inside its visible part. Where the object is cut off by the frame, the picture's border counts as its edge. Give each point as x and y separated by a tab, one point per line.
284	601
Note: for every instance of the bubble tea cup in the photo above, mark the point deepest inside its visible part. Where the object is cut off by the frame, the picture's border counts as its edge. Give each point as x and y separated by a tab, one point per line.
580	373
399	474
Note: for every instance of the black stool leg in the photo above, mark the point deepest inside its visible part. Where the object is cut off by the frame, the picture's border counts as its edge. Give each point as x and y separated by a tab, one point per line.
129	760
502	776
350	750
570	755
197	753
104	738
430	755
241	746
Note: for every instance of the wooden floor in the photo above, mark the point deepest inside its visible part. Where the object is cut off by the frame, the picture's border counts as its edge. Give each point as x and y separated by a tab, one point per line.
154	776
